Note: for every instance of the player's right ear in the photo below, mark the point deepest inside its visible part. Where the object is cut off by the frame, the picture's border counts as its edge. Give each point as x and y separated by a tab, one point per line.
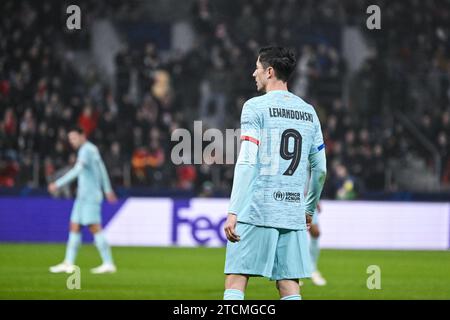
270	73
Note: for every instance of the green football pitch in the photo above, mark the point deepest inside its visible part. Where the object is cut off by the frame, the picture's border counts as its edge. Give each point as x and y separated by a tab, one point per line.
196	273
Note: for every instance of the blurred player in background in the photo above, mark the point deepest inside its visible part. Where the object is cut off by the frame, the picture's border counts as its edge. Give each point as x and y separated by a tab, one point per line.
314	249
93	180
268	219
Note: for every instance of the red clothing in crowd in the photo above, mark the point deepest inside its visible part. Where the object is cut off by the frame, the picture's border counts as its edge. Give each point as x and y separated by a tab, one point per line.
88	122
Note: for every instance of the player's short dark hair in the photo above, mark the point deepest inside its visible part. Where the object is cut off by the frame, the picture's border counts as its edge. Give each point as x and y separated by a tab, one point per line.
281	59
77	129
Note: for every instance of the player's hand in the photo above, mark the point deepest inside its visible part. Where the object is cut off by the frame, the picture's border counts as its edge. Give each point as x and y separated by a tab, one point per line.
52	188
229	228
111	197
308	221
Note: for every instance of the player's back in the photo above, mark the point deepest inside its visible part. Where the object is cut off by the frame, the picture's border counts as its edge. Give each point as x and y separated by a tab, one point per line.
290	131
89	181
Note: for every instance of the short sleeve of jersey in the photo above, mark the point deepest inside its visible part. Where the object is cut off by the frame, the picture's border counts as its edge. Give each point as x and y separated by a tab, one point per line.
250	124
318	143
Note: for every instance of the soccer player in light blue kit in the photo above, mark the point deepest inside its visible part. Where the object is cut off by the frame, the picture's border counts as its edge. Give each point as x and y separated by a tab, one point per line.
268	217
93	180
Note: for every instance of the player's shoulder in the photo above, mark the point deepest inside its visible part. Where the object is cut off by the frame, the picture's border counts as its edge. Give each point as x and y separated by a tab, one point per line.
252	107
257	104
304	104
256	100
312	109
90	147
254	103
308	107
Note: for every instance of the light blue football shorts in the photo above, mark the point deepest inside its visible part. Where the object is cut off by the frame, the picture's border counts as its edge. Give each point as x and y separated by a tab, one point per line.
273	253
86	213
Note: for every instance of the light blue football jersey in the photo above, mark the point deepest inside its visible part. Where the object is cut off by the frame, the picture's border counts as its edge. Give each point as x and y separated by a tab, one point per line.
91	173
287	130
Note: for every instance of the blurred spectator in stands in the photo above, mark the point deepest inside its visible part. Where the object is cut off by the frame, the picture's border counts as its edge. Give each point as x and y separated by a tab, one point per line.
155	162
88	120
9	124
375	179
25	174
146	161
5	87
186	177
446	173
9	168
161	88
139	164
202	17
207	190
150	61
305	70
247	24
204	174
123	70
344	184
114	161
213	97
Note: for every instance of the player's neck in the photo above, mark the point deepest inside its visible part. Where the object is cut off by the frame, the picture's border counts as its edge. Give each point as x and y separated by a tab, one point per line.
83	143
276	86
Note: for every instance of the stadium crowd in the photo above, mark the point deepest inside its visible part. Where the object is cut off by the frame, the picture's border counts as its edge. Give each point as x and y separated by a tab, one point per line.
41	95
